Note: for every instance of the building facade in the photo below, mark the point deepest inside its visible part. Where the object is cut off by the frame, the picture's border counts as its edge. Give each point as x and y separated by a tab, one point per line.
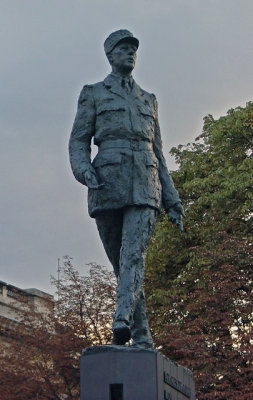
15	301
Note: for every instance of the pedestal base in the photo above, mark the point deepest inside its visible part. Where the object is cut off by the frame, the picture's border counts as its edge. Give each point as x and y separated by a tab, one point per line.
125	373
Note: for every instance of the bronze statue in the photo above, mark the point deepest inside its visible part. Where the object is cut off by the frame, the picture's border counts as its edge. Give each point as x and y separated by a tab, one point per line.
128	179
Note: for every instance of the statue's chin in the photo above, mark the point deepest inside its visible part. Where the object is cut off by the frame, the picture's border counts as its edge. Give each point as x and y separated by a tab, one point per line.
125	70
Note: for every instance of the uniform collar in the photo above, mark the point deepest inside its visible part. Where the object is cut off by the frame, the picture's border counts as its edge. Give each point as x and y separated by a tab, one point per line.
113	78
113	83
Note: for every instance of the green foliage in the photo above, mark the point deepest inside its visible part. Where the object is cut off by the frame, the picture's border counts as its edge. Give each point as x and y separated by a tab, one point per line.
199	283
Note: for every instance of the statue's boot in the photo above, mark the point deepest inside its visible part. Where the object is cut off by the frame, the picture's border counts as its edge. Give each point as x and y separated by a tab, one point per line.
123	316
140	332
127	299
121	333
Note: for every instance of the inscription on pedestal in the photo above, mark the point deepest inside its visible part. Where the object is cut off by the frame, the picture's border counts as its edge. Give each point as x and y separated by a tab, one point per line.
176	384
167	395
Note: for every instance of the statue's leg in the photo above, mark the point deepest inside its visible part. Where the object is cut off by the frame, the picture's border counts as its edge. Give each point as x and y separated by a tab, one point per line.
138	226
109	224
140	332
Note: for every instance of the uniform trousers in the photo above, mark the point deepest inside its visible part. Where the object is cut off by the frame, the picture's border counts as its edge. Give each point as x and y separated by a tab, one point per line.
125	234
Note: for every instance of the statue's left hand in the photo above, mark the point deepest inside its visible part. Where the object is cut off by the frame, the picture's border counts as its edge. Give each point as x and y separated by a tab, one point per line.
176	215
91	179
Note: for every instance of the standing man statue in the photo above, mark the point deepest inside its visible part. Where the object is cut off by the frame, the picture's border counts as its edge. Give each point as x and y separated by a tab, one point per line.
128	180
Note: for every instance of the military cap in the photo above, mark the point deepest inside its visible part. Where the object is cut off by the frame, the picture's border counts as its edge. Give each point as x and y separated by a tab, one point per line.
119	36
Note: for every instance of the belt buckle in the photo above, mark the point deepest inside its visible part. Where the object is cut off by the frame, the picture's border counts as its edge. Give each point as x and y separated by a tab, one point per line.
134	144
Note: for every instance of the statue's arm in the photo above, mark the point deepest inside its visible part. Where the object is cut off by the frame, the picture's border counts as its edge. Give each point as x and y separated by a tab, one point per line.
170	198
80	139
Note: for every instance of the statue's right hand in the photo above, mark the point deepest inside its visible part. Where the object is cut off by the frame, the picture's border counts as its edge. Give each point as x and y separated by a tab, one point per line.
90	178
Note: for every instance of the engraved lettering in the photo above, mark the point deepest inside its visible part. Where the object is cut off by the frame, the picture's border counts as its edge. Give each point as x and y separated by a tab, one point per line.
167	395
176	384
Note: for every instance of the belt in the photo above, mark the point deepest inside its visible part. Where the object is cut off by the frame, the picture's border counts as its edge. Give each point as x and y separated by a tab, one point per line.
126	143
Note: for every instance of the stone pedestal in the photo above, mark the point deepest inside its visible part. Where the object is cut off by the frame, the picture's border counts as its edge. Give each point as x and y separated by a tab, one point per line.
125	373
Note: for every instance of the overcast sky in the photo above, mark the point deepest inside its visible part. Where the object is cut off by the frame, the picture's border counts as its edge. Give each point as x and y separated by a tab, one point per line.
195	55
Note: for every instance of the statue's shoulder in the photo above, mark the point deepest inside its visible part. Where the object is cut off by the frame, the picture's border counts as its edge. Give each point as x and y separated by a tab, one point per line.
148	95
91	87
149	98
89	90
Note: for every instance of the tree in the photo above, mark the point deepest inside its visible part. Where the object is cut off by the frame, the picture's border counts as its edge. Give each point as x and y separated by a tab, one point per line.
40	355
199	284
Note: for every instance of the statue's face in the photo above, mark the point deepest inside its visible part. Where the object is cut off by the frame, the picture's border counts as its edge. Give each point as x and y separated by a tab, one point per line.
123	57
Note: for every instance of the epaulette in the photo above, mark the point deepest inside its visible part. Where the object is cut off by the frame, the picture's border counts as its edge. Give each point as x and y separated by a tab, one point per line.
86	93
88	87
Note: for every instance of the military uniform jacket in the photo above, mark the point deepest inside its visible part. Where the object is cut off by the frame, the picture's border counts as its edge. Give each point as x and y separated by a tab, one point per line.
129	161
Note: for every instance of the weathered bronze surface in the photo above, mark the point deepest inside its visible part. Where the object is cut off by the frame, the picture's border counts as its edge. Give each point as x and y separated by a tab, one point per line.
128	180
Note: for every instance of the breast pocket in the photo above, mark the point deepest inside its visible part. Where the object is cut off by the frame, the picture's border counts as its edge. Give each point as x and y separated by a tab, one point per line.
109	114
147	119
